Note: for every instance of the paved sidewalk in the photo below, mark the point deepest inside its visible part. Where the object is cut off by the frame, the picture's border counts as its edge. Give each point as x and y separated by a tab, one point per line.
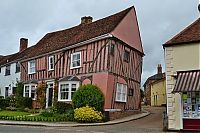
73	124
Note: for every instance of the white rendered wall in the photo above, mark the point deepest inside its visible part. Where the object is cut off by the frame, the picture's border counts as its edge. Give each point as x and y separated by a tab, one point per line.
9	80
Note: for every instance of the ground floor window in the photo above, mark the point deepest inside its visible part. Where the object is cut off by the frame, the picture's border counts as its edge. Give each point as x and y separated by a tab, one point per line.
121	93
67	89
191	104
30	90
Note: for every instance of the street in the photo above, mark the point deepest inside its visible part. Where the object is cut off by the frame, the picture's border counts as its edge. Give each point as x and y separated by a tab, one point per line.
149	124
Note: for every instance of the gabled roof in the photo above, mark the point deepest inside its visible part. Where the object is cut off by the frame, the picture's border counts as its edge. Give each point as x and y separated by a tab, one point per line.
188	35
155	77
60	39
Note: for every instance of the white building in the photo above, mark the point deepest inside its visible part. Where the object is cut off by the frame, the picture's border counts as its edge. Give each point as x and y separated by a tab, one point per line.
10	70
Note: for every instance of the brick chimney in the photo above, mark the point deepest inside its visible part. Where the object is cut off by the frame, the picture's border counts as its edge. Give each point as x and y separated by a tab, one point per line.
23	44
159	69
86	20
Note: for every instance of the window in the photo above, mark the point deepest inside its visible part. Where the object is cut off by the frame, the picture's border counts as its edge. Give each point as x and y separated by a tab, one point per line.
7	72
30	91
31	67
0	69
130	92
67	89
126	56
51	63
191	104
76	60
111	49
26	91
33	91
14	90
17	67
121	93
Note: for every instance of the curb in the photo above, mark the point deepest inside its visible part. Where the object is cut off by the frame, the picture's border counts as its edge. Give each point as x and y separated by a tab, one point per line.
43	124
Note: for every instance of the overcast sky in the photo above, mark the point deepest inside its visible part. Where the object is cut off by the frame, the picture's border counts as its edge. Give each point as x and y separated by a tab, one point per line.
159	20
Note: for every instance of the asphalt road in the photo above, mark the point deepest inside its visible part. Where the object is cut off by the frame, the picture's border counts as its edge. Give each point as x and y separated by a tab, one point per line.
149	124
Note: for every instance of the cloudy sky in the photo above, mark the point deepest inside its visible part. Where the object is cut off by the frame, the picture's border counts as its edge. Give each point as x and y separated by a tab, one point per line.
159	20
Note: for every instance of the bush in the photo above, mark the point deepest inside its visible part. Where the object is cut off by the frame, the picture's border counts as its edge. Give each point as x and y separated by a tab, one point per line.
89	95
47	113
87	114
2	103
24	102
61	107
19	89
11	108
10	101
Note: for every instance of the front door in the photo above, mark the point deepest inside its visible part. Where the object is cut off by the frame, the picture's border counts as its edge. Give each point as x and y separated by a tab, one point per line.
49	95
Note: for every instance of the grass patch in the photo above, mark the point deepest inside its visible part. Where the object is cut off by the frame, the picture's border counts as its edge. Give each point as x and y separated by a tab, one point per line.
13	113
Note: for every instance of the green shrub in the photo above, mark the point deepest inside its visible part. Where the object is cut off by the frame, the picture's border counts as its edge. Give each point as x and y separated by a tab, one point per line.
19	89
89	95
10	101
87	114
47	113
24	102
2	103
11	108
61	107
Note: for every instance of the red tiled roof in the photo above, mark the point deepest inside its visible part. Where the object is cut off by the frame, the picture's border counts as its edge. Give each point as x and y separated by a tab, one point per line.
189	34
60	39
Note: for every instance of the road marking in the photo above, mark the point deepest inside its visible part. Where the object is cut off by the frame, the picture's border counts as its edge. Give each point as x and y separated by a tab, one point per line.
64	129
79	130
97	132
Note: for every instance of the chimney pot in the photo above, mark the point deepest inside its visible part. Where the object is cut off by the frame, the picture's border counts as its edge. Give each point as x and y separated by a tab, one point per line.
23	44
159	69
86	20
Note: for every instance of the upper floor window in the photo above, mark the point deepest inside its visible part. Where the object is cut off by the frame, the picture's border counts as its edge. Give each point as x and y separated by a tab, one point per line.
67	89
126	56
7	72
31	67
76	60
121	92
111	49
17	67
51	63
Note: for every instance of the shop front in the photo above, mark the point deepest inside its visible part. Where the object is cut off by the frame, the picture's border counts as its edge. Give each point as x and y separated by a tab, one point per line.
188	85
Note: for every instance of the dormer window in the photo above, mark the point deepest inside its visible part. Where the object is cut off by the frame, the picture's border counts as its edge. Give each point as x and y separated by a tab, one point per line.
76	60
31	67
51	63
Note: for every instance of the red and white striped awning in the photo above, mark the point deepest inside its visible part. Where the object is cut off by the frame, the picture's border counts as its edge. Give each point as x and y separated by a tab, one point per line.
188	81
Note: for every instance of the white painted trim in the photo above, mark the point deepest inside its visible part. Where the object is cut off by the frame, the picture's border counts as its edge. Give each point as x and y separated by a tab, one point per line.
29	67
49	57
70	83
76	53
72	46
47	93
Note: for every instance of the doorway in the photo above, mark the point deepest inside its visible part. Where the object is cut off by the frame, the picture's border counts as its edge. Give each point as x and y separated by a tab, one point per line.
49	95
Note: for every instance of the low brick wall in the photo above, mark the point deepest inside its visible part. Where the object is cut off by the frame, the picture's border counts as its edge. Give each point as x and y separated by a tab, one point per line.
121	114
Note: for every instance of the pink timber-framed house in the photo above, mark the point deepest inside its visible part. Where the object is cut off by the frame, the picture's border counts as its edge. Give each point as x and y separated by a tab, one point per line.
107	52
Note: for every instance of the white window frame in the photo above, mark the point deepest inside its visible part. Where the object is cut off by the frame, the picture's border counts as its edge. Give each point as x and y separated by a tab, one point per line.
51	63
30	88
30	67
70	90
72	60
121	93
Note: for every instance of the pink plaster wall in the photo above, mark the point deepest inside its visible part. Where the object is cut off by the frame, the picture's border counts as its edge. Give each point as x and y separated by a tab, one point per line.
128	31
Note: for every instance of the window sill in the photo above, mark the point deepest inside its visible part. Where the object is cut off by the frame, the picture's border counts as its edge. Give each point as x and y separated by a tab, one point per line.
32	73
51	70
61	100
75	67
120	101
